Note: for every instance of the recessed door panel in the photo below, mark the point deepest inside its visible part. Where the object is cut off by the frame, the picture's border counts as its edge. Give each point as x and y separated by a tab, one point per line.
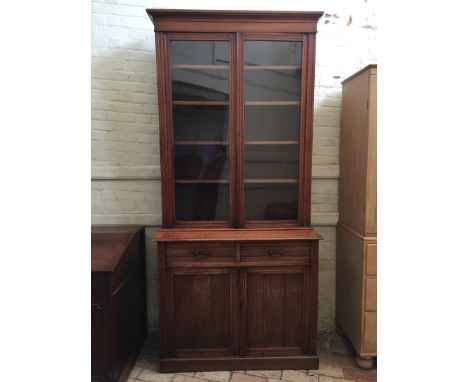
202	312
274	311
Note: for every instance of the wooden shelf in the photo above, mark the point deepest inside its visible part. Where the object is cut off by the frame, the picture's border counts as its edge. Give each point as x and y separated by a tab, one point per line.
271	142
271	67
201	142
202	181
270	180
195	103
201	67
254	103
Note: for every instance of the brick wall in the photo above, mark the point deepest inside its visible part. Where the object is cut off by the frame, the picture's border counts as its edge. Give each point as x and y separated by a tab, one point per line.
125	141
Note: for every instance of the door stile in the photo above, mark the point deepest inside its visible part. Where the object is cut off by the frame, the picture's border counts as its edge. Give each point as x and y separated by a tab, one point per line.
303	163
233	120
165	128
239	63
309	112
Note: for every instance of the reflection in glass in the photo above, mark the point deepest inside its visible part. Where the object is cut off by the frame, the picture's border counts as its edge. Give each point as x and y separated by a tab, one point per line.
200	123
199	52
200	72
202	201
280	53
272	85
271	201
197	84
272	122
201	162
272	95
271	161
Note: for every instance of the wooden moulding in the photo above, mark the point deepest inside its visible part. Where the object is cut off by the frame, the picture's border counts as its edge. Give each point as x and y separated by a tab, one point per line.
168	365
170	20
168	235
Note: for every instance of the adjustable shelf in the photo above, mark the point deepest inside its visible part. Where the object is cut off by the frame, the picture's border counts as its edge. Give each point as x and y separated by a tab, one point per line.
254	103
271	67
201	143
201	67
200	102
271	142
201	181
270	180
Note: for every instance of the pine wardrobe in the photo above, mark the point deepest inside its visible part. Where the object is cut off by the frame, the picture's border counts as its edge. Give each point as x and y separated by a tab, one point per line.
237	257
356	233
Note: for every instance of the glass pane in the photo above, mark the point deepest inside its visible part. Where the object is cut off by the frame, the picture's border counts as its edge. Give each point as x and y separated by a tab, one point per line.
202	201
201	162
200	123
272	118
273	53
271	161
272	85
279	122
199	52
271	201
200	84
200	72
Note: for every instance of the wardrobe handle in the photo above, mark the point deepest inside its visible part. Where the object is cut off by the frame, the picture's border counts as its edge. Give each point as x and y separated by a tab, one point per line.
197	253
275	252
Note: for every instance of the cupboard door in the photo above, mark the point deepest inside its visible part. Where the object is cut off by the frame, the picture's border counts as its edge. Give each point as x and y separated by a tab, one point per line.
203	310
201	128
272	82
275	311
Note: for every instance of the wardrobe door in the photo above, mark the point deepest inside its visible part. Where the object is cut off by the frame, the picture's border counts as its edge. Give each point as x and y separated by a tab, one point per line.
275	310
201	122
202	312
272	114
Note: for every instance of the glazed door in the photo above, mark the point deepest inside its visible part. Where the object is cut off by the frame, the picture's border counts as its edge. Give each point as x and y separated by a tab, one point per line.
202	312
275	311
271	102
236	133
201	129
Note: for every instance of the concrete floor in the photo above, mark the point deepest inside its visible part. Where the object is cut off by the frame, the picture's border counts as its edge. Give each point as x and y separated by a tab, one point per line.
336	365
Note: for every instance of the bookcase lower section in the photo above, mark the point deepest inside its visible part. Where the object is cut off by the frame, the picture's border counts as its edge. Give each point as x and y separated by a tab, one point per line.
171	365
238	299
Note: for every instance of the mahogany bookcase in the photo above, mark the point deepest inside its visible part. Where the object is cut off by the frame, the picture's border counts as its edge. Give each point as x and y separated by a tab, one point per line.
237	257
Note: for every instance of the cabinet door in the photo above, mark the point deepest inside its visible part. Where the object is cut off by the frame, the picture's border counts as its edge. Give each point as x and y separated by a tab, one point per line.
202	312
201	142
275	311
272	99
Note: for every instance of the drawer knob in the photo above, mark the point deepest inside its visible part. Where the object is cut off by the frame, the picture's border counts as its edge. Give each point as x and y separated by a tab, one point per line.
197	253
275	252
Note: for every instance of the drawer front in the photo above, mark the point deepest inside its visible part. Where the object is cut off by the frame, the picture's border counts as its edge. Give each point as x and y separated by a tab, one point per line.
371	260
369	344
200	252
279	251
370	295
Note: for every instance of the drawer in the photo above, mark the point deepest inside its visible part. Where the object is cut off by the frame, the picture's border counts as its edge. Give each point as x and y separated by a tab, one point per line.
369	343
200	252
280	251
371	260
370	296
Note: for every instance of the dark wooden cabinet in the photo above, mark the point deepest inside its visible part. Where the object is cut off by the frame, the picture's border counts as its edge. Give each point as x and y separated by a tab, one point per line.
118	301
237	258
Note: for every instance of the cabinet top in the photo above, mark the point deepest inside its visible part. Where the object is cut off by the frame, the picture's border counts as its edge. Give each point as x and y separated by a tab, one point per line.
372	68
168	235
185	20
108	244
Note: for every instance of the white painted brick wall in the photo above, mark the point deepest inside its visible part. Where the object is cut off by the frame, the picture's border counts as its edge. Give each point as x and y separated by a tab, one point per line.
125	140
